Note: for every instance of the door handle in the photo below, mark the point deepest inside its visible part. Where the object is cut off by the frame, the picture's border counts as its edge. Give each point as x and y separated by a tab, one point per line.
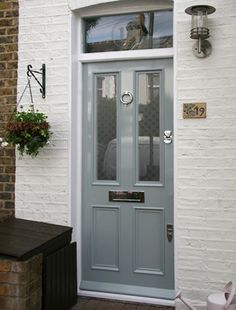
168	137
169	232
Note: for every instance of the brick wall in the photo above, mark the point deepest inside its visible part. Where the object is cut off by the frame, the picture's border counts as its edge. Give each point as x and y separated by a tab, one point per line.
8	84
21	284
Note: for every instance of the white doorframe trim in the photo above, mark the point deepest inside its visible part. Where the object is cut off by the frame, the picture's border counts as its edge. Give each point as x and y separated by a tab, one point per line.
127	55
77	60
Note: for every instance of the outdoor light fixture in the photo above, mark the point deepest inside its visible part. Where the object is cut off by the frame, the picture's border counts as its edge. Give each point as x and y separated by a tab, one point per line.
199	30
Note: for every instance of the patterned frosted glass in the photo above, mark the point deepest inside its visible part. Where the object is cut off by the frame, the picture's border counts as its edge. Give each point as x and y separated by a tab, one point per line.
148	124
106	99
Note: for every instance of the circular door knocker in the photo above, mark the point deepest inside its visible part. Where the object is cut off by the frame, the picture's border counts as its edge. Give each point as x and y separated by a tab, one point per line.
128	96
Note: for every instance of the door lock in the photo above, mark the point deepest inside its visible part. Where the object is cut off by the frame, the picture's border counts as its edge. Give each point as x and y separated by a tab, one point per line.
169	232
168	137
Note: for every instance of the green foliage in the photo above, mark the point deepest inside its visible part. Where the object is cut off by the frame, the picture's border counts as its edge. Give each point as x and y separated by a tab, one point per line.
29	130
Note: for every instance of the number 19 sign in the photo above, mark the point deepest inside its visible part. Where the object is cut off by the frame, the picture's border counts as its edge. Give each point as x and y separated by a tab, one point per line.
194	110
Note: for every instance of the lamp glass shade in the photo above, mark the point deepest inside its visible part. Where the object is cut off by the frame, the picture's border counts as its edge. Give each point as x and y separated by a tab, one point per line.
199	27
199	20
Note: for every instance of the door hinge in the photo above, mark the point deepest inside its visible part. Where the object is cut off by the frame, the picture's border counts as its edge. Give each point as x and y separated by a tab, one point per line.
170	232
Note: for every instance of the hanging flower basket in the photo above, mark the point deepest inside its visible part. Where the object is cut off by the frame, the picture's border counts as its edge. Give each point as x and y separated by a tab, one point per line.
29	131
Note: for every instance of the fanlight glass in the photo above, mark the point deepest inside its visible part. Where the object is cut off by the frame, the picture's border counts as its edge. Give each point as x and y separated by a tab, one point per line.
145	30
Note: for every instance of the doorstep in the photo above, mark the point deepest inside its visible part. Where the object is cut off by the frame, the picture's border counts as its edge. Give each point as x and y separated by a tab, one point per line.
85	303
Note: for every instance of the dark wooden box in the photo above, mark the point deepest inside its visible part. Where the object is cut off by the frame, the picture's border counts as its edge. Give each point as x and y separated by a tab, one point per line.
22	239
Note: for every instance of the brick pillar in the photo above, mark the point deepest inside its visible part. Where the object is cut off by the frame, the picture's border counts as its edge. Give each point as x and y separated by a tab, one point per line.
21	284
9	12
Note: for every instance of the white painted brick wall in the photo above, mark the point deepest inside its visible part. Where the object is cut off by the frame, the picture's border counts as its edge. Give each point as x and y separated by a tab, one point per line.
206	156
205	196
74	4
42	183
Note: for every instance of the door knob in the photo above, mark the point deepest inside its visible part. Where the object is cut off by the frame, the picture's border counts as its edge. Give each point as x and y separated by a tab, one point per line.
168	136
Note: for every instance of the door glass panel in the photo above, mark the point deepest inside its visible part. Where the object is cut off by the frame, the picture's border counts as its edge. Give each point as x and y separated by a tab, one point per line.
149	126
145	30
106	99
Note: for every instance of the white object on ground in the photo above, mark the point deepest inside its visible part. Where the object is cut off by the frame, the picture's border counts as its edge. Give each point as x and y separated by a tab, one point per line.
184	301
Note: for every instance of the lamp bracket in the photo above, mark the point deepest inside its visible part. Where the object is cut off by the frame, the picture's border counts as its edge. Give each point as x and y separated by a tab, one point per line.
42	72
202	48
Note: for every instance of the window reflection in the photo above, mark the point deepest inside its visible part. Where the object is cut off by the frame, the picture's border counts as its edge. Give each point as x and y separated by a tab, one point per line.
136	33
129	32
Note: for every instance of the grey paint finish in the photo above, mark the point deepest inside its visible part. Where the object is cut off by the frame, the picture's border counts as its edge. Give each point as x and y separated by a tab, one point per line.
149	238
128	289
105	235
124	244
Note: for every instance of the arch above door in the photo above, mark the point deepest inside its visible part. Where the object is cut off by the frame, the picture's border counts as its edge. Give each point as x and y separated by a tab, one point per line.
108	6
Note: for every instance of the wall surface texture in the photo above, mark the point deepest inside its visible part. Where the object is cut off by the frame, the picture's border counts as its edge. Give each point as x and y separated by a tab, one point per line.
206	155
21	284
42	185
205	150
8	82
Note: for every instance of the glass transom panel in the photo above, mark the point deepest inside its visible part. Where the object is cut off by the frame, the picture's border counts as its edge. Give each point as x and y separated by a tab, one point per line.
145	30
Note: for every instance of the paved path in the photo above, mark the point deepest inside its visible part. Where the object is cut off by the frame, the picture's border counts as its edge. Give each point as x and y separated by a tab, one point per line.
101	304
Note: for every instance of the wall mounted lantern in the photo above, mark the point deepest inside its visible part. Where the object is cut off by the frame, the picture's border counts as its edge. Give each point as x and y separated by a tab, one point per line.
199	30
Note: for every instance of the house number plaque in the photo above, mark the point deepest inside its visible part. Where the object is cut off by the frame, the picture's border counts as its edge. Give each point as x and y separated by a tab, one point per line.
194	110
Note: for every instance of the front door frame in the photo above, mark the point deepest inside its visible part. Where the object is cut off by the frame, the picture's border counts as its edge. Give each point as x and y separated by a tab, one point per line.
75	163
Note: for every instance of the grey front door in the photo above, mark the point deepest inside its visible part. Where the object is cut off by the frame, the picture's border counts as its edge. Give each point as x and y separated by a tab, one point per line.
127	214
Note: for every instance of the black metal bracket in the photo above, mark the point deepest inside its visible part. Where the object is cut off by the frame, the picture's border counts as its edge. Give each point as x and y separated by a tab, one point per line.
31	73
